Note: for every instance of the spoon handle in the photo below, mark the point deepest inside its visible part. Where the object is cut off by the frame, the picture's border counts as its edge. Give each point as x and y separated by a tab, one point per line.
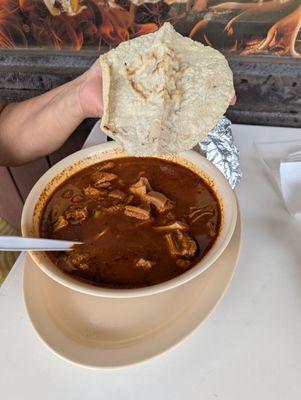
15	243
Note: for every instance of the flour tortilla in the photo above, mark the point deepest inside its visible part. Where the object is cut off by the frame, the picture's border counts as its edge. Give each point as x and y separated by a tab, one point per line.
163	92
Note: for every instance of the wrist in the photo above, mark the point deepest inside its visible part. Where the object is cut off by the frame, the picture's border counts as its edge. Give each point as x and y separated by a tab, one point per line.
90	92
75	99
69	105
64	110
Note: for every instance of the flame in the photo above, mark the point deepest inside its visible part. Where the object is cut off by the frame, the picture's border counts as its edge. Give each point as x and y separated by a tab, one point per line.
200	5
234	47
115	26
74	24
60	29
200	26
119	25
9	27
282	35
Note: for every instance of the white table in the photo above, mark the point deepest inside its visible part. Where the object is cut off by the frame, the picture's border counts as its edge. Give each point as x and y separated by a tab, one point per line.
250	348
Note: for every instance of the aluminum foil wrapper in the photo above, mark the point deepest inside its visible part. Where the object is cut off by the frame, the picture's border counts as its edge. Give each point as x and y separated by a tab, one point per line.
219	148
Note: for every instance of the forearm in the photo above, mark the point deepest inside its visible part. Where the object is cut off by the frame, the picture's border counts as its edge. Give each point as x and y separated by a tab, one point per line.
39	126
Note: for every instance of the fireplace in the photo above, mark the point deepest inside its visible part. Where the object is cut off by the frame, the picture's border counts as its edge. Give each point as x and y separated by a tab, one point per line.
46	42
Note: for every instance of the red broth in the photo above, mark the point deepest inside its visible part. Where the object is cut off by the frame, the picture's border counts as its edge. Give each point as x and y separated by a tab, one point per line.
142	221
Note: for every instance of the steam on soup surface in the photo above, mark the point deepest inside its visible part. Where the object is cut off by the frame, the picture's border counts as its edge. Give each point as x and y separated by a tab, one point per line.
142	221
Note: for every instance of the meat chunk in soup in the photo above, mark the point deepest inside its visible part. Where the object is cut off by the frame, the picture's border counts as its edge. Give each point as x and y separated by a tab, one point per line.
181	244
141	187
159	200
100	177
91	192
61	223
175	226
145	264
183	263
106	166
77	261
114	209
76	215
117	194
102	185
137	212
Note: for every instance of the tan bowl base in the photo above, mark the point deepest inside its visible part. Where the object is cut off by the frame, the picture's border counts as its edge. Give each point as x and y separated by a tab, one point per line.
105	332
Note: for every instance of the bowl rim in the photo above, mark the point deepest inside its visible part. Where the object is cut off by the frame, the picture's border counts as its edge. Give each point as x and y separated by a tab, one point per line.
194	159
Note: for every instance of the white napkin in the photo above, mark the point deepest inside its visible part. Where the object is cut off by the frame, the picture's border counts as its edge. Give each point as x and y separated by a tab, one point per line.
290	180
282	162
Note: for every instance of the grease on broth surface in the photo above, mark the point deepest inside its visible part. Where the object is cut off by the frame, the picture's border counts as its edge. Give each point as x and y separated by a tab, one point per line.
143	221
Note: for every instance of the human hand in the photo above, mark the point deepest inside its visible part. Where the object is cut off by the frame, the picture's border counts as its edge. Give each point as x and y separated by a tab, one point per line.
233	101
90	91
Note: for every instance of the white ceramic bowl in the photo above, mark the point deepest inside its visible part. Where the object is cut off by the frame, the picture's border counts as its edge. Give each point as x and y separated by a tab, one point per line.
83	158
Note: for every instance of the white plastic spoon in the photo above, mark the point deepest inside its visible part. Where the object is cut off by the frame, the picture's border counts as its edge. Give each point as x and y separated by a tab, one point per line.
15	243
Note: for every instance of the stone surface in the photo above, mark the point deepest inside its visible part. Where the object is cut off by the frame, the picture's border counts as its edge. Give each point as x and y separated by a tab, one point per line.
268	88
